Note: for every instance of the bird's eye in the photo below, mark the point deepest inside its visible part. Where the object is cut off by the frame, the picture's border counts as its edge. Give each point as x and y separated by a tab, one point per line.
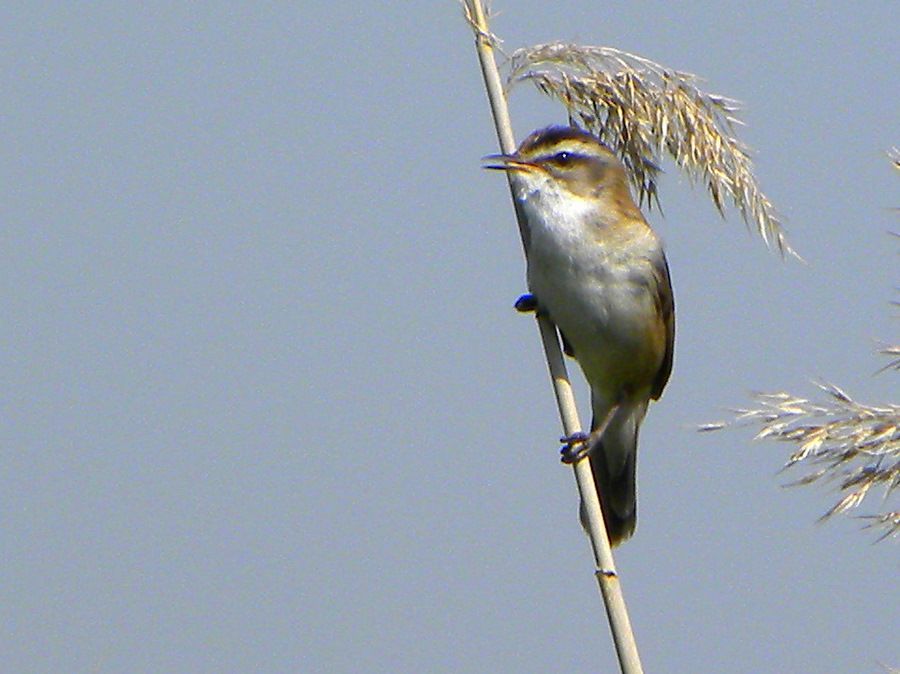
563	158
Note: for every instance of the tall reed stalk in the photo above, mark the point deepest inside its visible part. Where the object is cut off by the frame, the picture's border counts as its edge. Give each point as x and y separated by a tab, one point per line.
605	569
643	111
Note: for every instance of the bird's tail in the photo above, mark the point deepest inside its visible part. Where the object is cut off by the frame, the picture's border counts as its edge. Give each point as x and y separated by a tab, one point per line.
613	463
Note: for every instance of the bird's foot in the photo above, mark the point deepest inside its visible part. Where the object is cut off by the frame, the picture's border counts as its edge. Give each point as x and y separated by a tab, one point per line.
575	447
526	304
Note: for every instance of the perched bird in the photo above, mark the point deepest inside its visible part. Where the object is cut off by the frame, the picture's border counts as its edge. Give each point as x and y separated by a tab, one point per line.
597	269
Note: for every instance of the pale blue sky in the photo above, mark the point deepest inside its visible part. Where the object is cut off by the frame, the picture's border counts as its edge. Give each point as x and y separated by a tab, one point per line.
267	407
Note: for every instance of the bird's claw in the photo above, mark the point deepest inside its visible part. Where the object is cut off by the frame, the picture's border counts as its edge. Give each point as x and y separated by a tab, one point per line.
526	304
575	447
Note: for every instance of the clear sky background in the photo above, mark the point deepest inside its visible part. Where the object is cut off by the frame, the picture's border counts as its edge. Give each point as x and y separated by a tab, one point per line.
266	406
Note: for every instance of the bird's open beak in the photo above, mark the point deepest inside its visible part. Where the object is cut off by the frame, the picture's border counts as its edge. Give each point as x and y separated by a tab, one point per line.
507	162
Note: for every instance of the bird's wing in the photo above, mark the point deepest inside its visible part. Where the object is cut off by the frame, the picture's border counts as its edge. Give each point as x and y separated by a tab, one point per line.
567	346
665	304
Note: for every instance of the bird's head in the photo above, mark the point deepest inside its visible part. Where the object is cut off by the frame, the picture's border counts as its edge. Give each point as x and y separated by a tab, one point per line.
571	160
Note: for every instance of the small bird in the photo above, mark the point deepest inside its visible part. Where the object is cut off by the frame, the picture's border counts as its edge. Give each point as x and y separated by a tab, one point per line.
597	270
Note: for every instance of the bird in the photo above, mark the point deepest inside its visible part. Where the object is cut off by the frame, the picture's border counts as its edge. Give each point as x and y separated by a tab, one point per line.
597	269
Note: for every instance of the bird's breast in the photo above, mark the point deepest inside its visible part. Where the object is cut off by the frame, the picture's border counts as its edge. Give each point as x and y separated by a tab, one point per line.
595	280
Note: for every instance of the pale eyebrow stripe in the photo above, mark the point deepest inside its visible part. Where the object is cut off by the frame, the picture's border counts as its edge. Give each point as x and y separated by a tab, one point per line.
578	147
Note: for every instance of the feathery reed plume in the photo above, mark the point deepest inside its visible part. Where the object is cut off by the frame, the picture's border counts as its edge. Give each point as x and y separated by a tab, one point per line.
838	439
642	109
893	351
